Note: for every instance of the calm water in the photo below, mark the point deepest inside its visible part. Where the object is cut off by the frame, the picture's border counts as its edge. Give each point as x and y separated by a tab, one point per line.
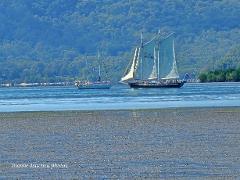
199	143
118	97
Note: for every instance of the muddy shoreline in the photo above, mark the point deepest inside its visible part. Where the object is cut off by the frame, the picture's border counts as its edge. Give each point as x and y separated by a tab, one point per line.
156	143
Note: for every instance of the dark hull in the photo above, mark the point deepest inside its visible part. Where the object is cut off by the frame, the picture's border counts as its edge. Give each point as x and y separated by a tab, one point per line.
156	84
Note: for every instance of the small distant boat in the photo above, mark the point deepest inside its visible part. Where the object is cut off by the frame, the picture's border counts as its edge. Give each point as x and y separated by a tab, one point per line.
99	84
93	85
154	64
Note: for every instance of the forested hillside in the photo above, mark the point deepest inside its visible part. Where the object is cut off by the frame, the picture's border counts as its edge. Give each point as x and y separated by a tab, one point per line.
55	40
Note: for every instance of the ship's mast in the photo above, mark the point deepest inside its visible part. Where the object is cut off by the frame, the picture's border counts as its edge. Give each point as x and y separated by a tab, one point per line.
158	58
141	55
86	72
99	67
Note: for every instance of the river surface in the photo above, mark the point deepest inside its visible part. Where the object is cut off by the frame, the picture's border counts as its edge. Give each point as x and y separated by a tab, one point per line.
161	143
118	97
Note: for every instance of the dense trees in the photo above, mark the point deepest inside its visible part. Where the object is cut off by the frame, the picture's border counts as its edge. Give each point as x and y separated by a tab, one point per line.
230	75
51	40
225	68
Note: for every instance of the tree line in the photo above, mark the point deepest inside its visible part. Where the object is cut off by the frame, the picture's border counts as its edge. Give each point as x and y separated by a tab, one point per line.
230	75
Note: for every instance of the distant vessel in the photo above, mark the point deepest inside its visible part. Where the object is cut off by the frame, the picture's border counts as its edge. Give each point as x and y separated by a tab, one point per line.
99	84
154	64
93	85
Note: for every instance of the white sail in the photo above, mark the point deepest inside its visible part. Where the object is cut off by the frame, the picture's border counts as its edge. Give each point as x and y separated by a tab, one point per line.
148	63
137	61
174	72
167	66
155	59
130	74
153	74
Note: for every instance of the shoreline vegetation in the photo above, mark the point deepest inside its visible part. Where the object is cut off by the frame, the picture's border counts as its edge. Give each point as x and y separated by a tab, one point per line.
229	75
37	84
203	78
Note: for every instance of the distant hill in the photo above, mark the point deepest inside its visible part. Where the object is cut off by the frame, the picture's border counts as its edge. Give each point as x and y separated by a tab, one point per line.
51	40
230	60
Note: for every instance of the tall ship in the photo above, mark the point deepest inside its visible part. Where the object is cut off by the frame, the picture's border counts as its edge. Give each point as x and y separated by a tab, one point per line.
99	84
154	64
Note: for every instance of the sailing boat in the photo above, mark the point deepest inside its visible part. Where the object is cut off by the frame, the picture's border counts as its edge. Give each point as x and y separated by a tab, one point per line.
99	84
154	64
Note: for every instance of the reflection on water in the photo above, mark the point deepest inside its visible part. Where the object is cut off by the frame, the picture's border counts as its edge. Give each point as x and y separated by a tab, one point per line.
119	97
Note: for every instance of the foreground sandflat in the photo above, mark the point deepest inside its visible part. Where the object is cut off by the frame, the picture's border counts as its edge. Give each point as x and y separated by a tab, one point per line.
174	143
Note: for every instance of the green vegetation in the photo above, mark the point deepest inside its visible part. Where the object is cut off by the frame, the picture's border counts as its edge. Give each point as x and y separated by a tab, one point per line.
43	40
227	68
230	75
